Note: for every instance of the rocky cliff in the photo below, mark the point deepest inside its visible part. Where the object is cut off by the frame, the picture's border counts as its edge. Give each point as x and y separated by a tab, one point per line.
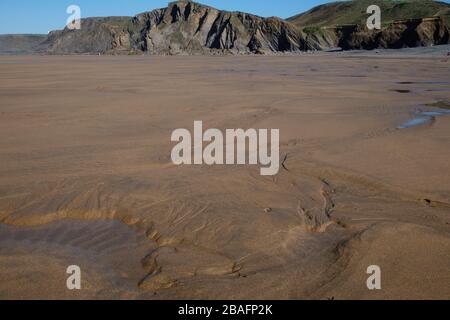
405	23
396	35
399	34
182	27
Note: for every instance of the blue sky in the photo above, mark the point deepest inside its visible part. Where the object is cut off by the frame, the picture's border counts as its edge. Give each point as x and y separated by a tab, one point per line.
40	16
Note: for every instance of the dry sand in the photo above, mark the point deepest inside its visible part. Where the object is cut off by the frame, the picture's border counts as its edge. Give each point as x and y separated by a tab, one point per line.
86	178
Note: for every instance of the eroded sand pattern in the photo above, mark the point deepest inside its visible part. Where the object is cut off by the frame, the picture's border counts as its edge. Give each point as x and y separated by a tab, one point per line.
86	178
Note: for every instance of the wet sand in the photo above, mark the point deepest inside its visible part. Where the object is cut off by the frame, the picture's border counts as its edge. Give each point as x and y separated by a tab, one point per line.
86	178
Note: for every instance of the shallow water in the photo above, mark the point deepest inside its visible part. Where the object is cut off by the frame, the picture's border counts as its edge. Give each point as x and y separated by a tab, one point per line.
423	117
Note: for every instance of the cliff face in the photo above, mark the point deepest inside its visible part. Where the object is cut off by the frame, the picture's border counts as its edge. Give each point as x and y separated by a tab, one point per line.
405	23
97	35
182	27
400	34
190	27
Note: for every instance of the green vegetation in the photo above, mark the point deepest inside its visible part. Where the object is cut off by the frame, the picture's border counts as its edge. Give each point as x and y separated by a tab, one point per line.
313	30
354	12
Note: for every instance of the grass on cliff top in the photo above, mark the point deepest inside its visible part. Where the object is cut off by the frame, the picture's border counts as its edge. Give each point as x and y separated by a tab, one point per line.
354	12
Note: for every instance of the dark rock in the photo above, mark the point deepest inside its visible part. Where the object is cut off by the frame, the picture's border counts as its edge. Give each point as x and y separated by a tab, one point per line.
182	27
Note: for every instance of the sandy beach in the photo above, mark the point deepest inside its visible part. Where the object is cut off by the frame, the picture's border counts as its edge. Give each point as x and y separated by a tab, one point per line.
86	178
